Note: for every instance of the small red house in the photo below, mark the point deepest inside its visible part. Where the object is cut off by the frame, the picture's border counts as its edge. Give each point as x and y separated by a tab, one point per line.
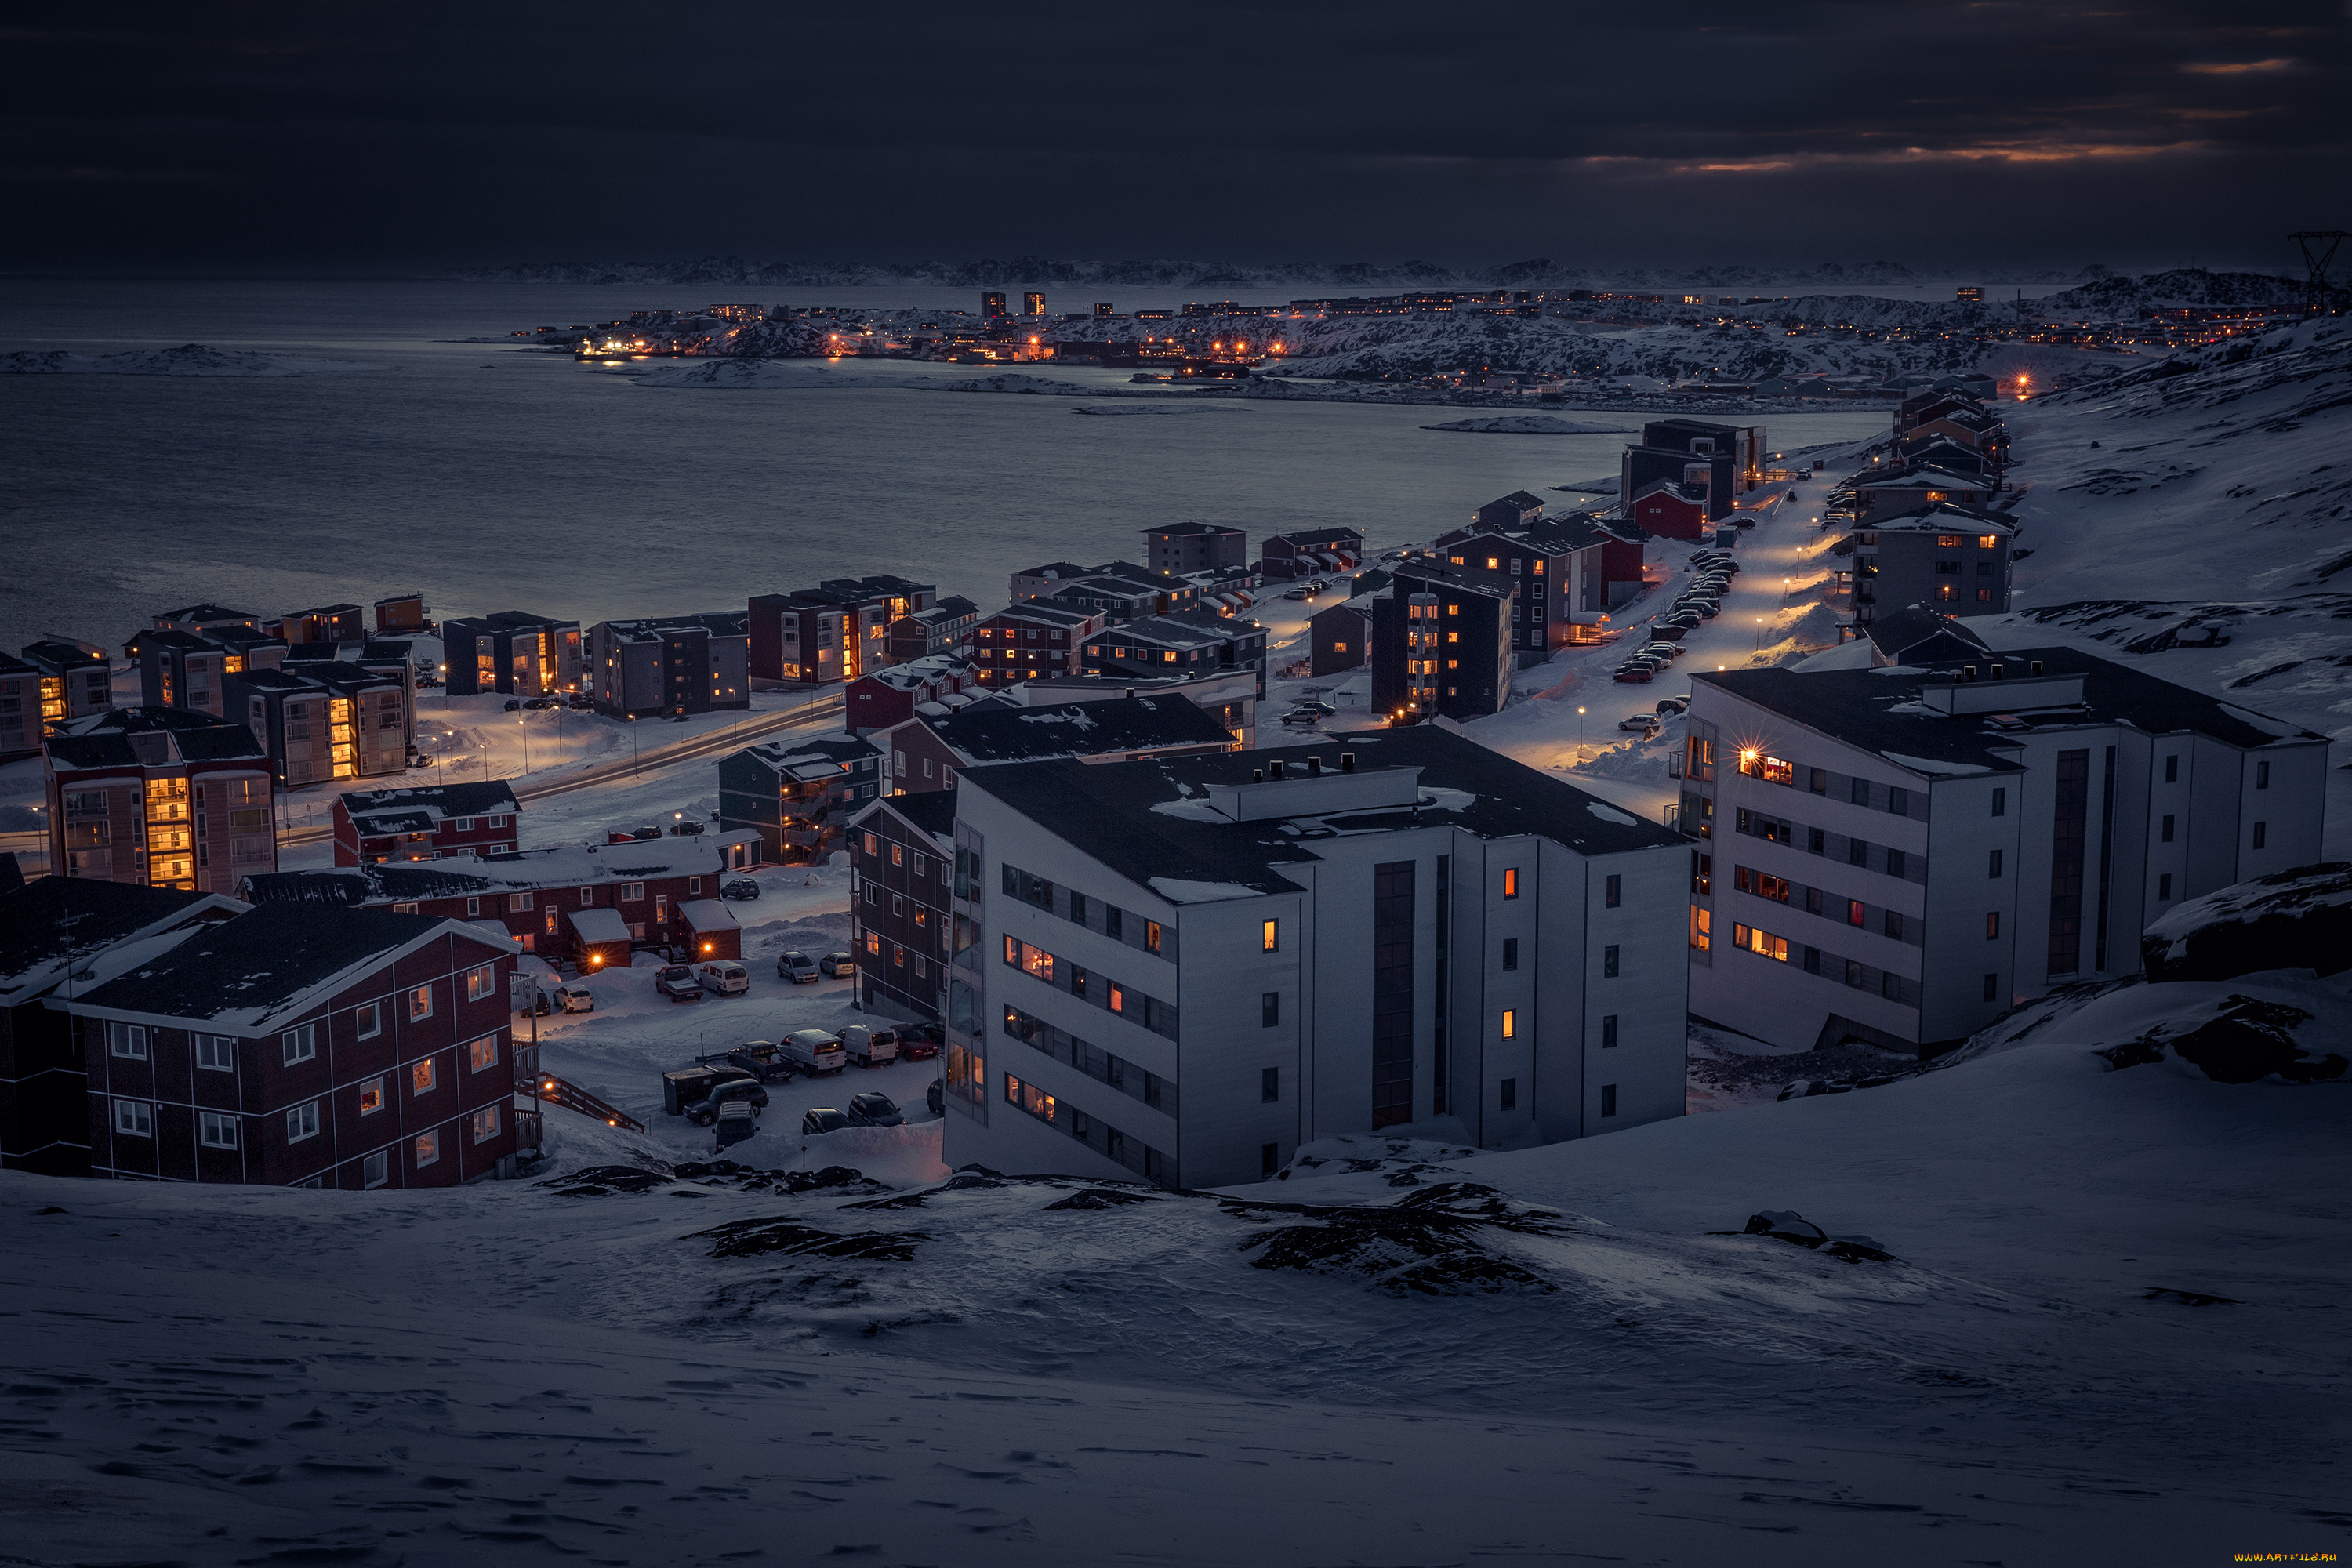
1669	510
890	696
305	1047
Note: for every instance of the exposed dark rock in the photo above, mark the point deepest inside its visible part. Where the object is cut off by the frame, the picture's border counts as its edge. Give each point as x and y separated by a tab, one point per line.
602	1181
1101	1198
1787	1224
1426	1244
2187	1297
754	1237
2248	1040
2300	919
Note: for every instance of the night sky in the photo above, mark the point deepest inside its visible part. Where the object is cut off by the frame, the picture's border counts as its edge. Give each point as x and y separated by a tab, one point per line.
180	139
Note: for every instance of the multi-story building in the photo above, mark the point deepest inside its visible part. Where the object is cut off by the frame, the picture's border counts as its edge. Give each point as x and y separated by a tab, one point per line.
431	822
183	666
1185	644
326	623
391	662
296	1047
941	628
1743	443
1312	551
1442	640
587	904
55	933
160	797
1032	304
1564	588
206	617
1031	637
1878	492
1118	589
893	696
402	614
928	752
1186	969
837	630
1900	852
670	664
1339	638
797	794
1181	549
326	720
77	679
902	850
1954	560
20	710
1229	696
512	651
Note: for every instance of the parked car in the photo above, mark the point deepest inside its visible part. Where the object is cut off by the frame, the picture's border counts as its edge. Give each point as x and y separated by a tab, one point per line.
763	1059
917	1042
1647	723
514	705
723	976
723	1092
814	1051
581	702
1636	673
741	888
687	829
428	682
824	1118
1670	706
573	996
797	967
869	1046
691	1086
936	1096
1299	718
839	964
646	833
874	1109
1299	593
535	1000
1312	705
537	704
736	1121
677	982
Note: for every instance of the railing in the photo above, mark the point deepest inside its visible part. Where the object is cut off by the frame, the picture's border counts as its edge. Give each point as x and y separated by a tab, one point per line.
555	1090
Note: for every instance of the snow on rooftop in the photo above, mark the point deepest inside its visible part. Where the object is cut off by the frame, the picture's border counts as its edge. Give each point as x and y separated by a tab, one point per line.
1178	890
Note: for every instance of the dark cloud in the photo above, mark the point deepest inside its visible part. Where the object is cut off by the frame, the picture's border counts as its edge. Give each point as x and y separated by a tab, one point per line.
358	137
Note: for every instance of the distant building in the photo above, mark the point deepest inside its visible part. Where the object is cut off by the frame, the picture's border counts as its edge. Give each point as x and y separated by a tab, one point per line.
1032	304
1103	308
921	633
1341	637
325	721
1184	547
293	1047
1027	640
206	618
992	305
77	679
1442	641
184	667
1185	644
1230	697
837	630
1969	294
20	710
1564	591
160	797
55	934
1669	509
1312	551
402	614
589	905
513	652
930	753
1874	493
902	850
797	794
893	696
1953	559
670	664
328	623
1903	838
431	822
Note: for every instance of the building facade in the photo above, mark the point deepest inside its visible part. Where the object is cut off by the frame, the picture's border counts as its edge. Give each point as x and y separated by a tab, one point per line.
837	630
1899	854
928	752
431	822
1184	970
1184	548
670	664
325	721
1029	638
511	652
160	797
1442	641
797	794
1311	552
902	850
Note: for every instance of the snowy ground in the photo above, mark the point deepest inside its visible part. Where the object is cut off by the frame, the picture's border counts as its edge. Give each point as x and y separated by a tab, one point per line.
1572	1367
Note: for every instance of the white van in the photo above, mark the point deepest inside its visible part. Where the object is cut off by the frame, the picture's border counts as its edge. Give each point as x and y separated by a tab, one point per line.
723	977
870	1047
814	1050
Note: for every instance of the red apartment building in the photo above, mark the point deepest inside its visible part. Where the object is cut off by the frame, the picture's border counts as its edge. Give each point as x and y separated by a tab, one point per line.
160	797
590	905
292	1047
892	696
432	823
835	631
902	848
1031	638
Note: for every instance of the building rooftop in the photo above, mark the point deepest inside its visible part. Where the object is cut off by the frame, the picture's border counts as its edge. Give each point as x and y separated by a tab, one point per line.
1312	536
417	810
1156	822
205	613
1463	579
1188	530
812	757
149	737
270	962
511	620
932	812
48	924
654	629
983	735
1925	717
1044	614
1941	517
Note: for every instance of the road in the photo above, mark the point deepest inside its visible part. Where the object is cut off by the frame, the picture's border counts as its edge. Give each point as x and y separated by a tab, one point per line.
711	744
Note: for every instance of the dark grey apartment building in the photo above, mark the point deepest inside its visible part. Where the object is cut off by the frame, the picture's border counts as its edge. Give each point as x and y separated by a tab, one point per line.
670	664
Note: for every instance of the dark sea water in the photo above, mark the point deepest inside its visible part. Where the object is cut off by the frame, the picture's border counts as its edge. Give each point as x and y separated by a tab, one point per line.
494	477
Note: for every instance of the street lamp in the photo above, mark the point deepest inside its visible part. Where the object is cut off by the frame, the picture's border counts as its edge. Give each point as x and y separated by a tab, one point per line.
1759	633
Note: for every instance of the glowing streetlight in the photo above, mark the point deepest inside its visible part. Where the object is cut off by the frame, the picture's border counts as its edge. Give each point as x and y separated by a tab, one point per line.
1579	734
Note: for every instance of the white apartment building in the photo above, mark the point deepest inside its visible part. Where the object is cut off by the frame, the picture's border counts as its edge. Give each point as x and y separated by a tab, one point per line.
1899	852
1185	968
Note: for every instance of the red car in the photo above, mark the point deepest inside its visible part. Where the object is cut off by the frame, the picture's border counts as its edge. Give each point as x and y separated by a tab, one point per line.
917	1041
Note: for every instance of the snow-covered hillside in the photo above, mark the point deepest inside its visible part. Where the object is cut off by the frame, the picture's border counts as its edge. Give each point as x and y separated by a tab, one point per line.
2104	1329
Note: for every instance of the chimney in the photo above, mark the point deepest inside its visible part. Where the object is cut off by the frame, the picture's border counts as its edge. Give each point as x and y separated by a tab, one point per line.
1257	776
1347	761
1999	670
2033	667
1274	767
1129	692
1314	767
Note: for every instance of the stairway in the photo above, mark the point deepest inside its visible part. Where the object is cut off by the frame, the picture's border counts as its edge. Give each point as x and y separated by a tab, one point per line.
570	1095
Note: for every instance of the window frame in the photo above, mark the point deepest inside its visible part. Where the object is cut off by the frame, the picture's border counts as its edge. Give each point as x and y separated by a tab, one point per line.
127	1041
424	992
368	1020
224	1046
134	1117
303	1122
298	1045
209	1122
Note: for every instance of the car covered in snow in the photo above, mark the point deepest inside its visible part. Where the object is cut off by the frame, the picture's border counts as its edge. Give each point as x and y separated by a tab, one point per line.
839	964
676	982
875	1108
797	967
824	1119
720	1093
573	996
1670	706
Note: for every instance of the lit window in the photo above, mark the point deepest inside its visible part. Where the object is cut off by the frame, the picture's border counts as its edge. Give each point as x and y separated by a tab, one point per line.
1270	936
372	1097
1150	936
483	1053
1510	882
429	1148
486	1123
420	1003
1510	1023
483	981
517	901
421	1077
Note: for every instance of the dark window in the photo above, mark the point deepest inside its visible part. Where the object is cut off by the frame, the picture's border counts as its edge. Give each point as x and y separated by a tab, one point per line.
1992	864
1857	851
1821	780
2172	770
1816	840
1898	801
1111	919
2262	831
1012	881
1894	862
1702	873
2167	830
2070	820
1608	1031
1859	792
1269	1086
1607	1100
1895	925
2001	803
1991	986
1616	884
1992	926
1510	952
1813	901
2262	775
1854	975
1269	1009
1078	908
1392	896
1510	1096
1269	1159
1813	960
2164	886
1609	960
